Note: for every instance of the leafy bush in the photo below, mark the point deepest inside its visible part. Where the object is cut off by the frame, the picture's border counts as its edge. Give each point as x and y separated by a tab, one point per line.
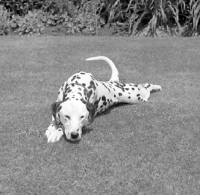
175	17
4	22
193	22
22	7
30	24
31	17
85	20
81	20
127	17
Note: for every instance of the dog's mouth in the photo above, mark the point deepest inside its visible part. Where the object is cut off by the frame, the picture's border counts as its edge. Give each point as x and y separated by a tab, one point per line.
75	140
72	140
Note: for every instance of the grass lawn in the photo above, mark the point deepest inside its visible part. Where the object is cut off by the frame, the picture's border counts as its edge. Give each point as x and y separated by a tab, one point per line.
147	149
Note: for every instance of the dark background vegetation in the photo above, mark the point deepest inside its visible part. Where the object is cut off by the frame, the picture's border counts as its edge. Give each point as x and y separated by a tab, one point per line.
89	17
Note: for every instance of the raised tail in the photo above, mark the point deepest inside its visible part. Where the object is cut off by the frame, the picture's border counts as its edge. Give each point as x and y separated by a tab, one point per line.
115	73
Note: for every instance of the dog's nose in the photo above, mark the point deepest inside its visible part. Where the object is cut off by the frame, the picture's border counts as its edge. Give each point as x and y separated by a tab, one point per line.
74	135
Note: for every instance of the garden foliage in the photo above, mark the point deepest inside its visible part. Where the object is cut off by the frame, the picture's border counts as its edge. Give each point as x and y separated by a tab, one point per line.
126	17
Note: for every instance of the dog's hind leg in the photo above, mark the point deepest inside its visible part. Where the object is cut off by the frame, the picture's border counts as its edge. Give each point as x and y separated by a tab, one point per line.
152	88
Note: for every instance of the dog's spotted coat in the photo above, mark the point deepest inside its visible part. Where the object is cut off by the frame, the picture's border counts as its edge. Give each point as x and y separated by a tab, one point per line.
82	91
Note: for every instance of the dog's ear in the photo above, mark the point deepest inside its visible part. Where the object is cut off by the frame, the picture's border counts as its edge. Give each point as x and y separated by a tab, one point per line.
88	93
92	109
55	107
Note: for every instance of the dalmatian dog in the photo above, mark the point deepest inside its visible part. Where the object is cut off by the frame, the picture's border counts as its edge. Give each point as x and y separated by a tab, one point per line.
82	97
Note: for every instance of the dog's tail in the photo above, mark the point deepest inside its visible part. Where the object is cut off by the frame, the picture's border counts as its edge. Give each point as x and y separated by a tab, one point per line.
115	73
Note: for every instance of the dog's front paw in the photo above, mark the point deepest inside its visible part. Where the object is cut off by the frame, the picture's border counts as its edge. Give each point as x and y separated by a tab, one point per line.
53	134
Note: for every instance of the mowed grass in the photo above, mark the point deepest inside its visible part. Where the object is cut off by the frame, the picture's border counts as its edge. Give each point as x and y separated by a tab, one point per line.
151	148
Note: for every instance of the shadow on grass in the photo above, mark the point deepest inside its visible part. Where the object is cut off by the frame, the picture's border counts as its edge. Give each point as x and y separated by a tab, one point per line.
121	104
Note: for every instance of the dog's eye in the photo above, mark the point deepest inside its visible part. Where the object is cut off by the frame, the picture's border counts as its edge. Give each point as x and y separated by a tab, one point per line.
82	117
66	116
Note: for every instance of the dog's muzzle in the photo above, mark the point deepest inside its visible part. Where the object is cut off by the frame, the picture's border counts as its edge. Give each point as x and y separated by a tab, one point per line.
74	136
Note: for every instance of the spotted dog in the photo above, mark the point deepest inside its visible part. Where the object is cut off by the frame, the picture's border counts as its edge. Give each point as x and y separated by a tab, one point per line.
82	97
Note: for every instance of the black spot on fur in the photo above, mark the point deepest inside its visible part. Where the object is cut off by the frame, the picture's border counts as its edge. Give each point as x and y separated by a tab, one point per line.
73	78
138	95
96	103
129	97
114	95
89	93
106	87
92	85
84	84
126	88
119	85
68	91
59	108
85	92
67	88
120	94
105	103
103	98
148	86
66	98
133	89
82	100
139	98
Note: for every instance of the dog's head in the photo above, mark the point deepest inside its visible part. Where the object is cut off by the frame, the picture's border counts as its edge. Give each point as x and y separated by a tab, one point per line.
73	114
